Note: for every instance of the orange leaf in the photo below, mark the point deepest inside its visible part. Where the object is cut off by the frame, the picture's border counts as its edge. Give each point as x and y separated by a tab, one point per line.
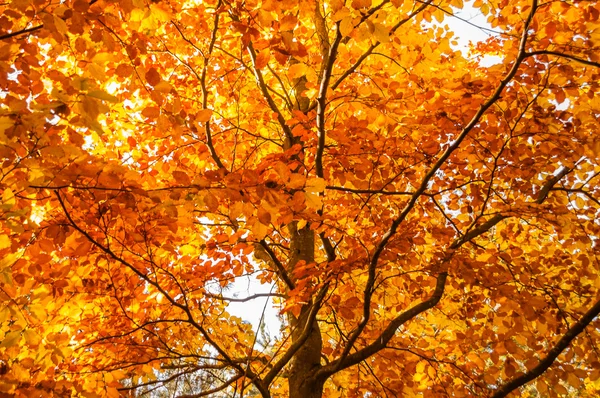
153	77
203	115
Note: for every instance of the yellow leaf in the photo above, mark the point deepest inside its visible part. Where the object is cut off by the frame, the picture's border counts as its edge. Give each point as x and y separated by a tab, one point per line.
8	199
102	57
137	15
96	71
560	389
4	313
312	200
187	249
264	216
38	311
341	14
358	4
4	241
5	123
163	87
160	13
296	181
315	185
381	33
262	58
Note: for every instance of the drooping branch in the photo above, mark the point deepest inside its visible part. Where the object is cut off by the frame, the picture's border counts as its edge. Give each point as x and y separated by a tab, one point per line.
486	226
214	390
369	191
244	299
579	191
189	369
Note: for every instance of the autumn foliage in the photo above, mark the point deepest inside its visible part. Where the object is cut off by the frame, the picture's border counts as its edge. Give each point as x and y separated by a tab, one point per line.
427	223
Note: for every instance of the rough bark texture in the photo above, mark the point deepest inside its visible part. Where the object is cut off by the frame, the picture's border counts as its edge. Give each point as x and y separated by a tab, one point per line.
309	389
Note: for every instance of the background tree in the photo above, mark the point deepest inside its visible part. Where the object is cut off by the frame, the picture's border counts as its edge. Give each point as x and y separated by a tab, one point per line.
426	225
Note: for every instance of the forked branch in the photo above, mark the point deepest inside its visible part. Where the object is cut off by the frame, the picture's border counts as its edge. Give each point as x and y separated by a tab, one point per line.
389	332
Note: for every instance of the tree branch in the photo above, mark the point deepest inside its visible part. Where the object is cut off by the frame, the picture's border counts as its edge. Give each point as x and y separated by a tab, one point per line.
213	390
29	30
366	54
545	363
369	191
245	299
202	79
563	55
322	101
466	130
260	81
281	271
21	32
551	183
297	344
389	332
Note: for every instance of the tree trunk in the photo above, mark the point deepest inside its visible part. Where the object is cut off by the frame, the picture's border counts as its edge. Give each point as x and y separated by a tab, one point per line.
306	361
309	388
308	358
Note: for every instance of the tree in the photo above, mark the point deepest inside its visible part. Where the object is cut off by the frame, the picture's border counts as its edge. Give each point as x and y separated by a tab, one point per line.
427	225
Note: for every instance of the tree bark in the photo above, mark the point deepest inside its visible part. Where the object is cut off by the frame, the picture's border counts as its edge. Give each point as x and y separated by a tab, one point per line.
310	388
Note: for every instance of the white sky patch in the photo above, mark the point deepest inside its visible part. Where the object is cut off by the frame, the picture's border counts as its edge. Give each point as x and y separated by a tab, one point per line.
252	311
470	27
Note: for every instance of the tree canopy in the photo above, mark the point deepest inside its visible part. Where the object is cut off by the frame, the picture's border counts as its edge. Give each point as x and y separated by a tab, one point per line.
426	225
